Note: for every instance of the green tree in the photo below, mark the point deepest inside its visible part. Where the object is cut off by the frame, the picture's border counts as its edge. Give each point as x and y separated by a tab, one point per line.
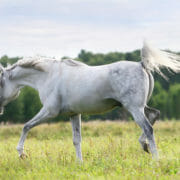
14	111
159	99
5	60
174	101
31	102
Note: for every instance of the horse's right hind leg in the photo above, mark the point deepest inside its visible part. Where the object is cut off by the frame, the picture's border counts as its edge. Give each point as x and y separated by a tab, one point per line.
141	120
152	114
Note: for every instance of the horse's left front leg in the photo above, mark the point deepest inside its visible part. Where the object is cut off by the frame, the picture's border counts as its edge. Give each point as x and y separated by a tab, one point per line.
76	127
43	115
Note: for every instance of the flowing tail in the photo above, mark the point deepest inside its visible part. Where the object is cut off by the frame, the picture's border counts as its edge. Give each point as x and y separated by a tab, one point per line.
155	59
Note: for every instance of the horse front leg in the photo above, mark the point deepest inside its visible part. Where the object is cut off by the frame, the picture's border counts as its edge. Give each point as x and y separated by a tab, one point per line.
76	128
43	115
152	114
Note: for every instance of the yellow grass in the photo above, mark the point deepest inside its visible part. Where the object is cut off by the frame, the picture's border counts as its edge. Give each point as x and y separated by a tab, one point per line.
110	151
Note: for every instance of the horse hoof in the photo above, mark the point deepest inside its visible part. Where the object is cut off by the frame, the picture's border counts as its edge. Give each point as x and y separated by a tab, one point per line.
23	156
146	147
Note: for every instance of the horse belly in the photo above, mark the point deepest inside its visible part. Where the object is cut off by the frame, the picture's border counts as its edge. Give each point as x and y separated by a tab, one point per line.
95	107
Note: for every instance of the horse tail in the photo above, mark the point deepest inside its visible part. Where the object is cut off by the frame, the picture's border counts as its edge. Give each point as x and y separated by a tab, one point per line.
154	59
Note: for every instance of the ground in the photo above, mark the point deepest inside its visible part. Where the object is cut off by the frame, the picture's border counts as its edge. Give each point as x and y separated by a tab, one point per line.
110	151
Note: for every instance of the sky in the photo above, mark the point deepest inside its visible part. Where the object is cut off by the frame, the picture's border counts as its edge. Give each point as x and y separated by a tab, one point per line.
60	28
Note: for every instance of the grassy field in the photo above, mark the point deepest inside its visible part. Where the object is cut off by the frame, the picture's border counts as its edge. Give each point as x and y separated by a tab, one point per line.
110	151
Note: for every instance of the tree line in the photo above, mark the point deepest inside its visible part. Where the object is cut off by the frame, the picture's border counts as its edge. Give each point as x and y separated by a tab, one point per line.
166	94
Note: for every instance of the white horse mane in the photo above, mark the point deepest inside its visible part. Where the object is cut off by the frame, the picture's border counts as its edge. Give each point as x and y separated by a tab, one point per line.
72	62
40	63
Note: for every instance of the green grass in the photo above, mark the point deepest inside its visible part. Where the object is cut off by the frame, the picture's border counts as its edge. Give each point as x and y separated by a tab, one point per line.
110	151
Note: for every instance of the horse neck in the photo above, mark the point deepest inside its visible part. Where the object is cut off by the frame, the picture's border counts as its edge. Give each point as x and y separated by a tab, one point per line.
28	77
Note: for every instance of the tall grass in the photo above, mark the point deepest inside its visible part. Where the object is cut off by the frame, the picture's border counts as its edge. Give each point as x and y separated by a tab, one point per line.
110	151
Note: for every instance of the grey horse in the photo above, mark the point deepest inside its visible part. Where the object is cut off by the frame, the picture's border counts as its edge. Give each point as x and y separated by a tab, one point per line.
74	88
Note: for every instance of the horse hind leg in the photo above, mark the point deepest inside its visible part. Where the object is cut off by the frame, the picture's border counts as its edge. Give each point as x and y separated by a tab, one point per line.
152	114
141	120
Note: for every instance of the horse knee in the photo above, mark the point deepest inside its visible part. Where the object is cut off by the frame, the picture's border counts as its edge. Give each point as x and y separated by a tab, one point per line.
76	142
26	127
76	139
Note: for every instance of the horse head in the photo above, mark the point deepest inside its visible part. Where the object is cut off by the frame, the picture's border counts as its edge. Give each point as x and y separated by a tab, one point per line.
8	91
1	87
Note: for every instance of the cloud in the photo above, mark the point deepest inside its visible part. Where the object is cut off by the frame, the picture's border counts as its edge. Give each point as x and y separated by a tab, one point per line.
64	27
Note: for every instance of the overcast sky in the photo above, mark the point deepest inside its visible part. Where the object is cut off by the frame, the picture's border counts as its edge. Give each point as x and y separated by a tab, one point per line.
63	27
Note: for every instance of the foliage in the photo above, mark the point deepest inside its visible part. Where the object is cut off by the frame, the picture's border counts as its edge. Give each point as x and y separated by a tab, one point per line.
166	95
110	151
5	60
159	99
32	103
173	108
14	111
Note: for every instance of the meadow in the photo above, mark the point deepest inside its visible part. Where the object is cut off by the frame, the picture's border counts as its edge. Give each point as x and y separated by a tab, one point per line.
110	151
